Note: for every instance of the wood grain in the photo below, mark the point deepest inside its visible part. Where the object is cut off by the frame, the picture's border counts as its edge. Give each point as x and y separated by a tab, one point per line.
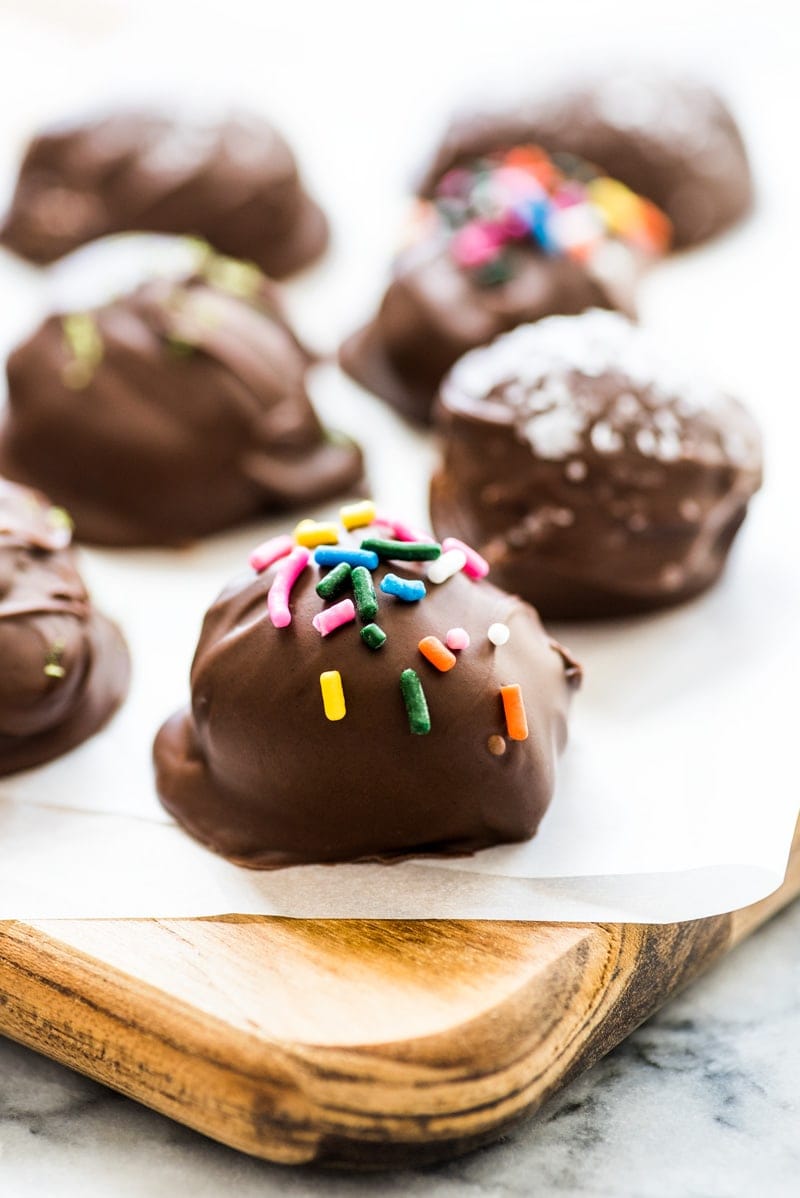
347	1042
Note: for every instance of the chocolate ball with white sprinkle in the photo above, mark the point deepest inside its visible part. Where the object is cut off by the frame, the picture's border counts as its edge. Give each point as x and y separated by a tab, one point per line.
595	475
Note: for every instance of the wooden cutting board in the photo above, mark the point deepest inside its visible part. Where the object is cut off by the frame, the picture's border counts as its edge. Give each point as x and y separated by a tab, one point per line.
350	1042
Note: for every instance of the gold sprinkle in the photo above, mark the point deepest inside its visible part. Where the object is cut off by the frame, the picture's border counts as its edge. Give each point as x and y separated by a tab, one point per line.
52	664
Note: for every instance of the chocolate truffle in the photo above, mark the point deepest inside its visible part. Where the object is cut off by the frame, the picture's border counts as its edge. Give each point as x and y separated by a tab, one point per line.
65	666
506	239
668	138
373	740
172	412
235	183
596	476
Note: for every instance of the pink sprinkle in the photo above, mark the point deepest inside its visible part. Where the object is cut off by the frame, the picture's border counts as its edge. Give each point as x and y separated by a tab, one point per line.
476	244
476	566
513	225
270	552
569	194
331	618
286	576
401	531
457	638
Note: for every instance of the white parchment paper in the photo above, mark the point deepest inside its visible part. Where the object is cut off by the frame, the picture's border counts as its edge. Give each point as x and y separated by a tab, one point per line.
678	794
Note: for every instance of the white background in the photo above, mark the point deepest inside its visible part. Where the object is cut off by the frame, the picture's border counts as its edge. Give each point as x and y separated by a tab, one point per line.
683	748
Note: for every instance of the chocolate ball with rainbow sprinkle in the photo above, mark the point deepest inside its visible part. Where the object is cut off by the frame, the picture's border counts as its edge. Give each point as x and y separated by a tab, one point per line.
671	139
174	411
596	474
350	703
507	238
65	666
234	182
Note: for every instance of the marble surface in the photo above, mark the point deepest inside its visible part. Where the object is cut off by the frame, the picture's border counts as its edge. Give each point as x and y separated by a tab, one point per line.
701	1102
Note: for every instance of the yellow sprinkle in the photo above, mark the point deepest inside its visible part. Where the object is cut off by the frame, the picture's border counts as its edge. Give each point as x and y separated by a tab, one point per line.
357	515
311	534
620	206
330	682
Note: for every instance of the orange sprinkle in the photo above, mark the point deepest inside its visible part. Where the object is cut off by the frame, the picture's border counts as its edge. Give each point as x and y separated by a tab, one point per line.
436	653
514	709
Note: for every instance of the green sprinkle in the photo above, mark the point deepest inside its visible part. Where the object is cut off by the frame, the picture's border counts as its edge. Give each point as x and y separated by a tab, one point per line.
493	274
59	517
403	551
335	582
178	347
364	591
419	720
373	636
84	343
242	279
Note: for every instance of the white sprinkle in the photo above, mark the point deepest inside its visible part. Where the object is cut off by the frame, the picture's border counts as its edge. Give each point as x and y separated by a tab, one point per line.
576	470
447	565
556	433
498	634
605	439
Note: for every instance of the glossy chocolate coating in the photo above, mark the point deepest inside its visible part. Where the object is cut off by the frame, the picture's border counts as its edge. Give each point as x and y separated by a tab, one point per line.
235	183
595	476
433	312
185	413
671	140
65	666
256	772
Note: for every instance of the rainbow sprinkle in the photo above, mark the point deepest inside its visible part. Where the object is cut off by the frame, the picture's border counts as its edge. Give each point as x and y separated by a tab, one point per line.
311	534
474	566
400	530
436	653
286	576
333	704
402	551
558	203
357	515
331	618
407	589
514	711
269	552
419	720
353	557
364	591
373	636
352	568
457	638
334	583
450	563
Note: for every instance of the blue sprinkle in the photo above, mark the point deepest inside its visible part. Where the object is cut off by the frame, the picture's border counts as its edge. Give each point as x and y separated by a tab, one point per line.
536	215
407	589
332	555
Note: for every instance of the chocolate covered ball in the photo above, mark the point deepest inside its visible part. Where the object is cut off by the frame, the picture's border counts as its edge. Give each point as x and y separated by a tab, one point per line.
234	182
507	238
172	412
595	475
65	666
669	138
357	735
